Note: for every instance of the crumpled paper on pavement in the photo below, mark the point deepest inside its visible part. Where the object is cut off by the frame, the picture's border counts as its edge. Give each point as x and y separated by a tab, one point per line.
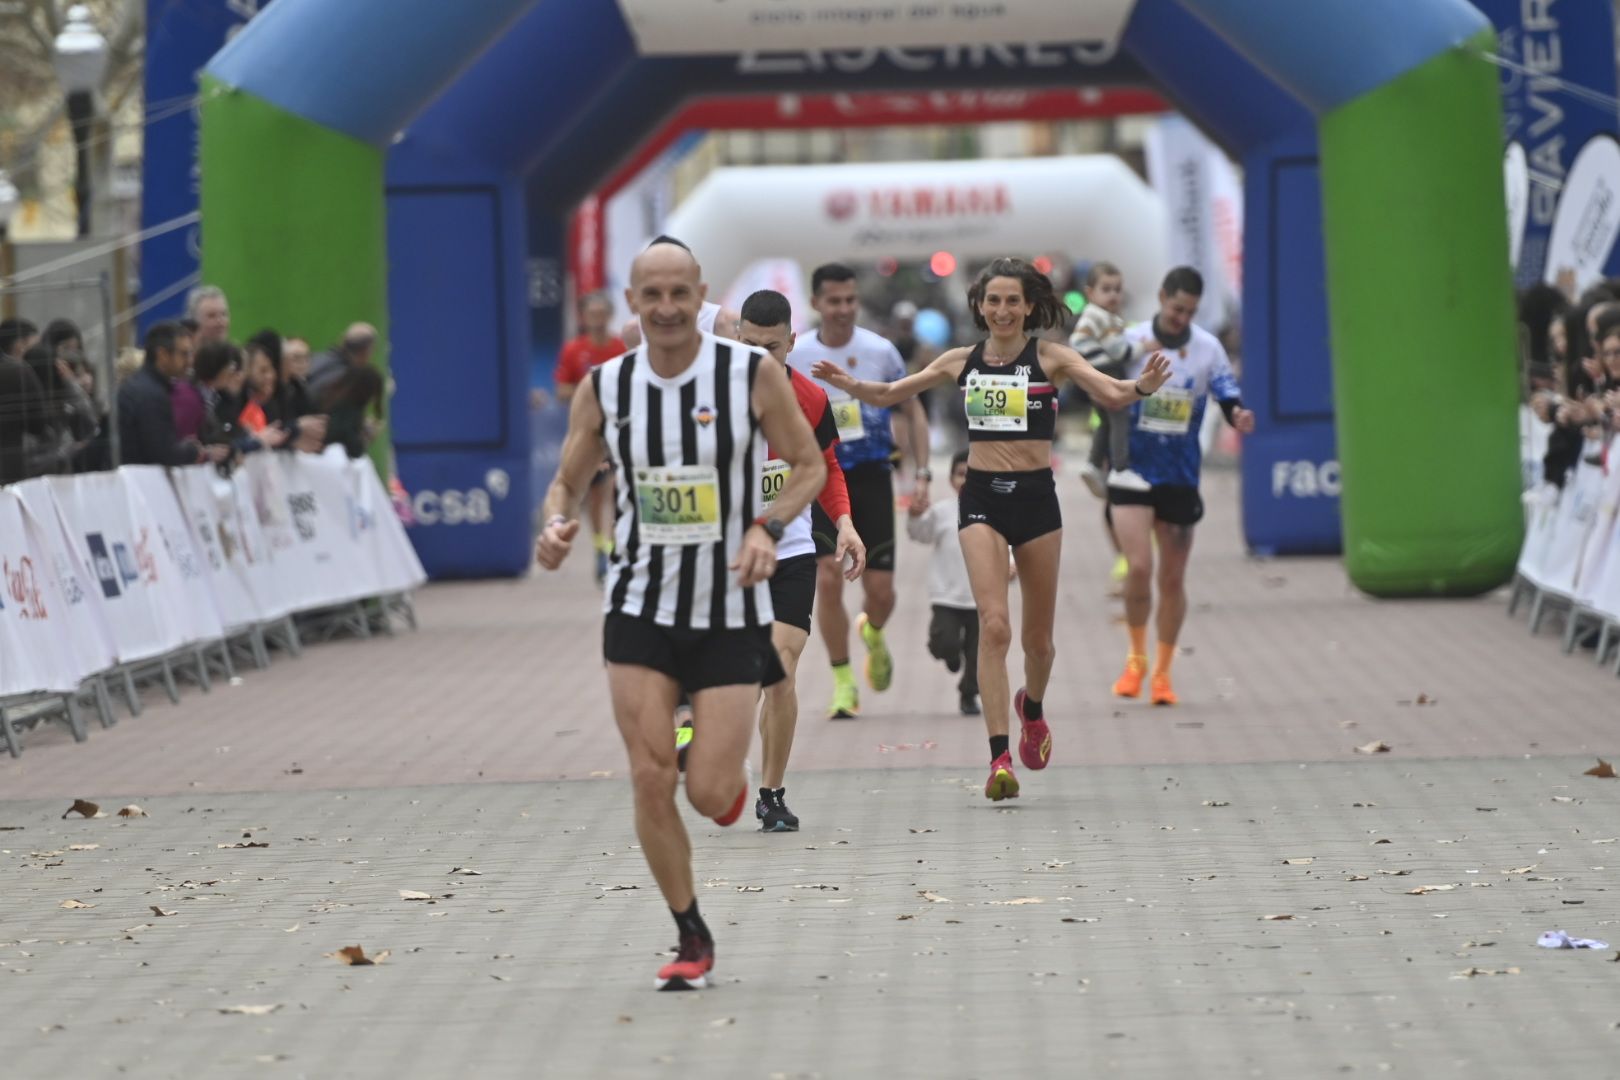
1558	939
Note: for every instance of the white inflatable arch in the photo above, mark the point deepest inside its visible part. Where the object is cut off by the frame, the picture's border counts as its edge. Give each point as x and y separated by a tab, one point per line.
1091	207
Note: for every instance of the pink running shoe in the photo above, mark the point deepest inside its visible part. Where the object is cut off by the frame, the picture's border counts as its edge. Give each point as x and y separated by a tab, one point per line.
690	968
1002	783
1035	742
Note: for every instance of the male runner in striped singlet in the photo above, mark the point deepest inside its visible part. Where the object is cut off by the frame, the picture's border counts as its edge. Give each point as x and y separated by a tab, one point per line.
685	419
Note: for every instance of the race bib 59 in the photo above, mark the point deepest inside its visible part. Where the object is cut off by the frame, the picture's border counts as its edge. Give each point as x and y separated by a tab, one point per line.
997	402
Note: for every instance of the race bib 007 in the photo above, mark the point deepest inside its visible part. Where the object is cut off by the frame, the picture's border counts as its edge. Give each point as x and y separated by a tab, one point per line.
1167	412
772	479
679	505
846	414
997	402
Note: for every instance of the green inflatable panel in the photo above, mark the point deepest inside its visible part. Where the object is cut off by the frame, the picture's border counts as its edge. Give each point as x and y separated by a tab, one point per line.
275	188
1424	370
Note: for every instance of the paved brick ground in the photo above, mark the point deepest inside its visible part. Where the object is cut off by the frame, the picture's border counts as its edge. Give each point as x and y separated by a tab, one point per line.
482	741
1110	923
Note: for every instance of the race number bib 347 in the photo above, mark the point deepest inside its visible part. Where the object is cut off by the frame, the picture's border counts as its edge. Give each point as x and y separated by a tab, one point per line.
997	402
772	479
679	505
846	413
1168	412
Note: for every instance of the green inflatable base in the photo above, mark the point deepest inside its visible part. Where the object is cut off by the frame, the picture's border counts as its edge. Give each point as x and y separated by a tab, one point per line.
1424	358
294	224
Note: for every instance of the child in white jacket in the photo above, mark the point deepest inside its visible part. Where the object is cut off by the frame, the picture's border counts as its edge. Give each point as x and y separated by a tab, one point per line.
953	633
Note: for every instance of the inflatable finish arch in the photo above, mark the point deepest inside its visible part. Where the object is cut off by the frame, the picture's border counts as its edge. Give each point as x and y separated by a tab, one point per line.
424	183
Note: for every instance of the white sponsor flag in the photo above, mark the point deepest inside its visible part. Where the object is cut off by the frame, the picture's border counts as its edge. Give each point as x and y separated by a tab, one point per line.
1203	197
1587	220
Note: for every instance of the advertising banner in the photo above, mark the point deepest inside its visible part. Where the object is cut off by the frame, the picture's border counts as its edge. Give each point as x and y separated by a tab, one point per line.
702	26
35	652
1558	88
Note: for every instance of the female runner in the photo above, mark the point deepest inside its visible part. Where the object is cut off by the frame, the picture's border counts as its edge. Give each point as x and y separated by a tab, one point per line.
1010	498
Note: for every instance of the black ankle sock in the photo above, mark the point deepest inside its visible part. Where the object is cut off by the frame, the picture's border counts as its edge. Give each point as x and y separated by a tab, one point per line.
691	924
998	746
1032	708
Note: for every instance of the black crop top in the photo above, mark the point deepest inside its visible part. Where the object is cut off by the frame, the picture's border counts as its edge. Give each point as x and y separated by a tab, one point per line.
1008	402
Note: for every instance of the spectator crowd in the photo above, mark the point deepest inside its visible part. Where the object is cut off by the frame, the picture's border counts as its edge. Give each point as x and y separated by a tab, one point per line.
1572	369
192	395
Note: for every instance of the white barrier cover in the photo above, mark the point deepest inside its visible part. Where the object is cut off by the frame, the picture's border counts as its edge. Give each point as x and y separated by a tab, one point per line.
1541	519
1577	510
123	565
1595	548
34	650
209	502
182	572
84	622
130	565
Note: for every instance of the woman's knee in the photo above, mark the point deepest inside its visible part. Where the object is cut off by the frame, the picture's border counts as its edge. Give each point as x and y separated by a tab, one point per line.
995	631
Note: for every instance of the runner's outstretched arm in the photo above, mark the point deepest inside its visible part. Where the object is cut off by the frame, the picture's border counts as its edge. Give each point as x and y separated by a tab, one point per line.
945	368
1108	392
582	452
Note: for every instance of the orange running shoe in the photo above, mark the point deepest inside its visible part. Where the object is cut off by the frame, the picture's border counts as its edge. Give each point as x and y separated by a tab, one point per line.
1161	694
1130	683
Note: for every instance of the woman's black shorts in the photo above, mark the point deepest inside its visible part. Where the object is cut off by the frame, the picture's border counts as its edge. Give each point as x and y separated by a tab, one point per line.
1021	506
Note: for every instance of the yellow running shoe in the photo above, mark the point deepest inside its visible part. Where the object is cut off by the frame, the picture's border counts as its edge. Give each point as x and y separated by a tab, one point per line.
1161	693
879	663
1130	683
846	701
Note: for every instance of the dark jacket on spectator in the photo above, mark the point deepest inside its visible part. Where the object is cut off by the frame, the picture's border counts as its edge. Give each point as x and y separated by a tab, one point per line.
22	413
146	422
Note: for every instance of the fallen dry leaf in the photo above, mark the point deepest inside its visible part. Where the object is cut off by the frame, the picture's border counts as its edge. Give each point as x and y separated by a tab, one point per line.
1563	798
933	898
1603	770
1083	918
241	843
1423	890
1469	973
903	918
1356	877
818	885
161	913
412	894
133	811
621	888
922	830
1379	747
468	871
1019	901
1394	873
355	956
1216	802
249	1010
1299	862
724	1021
750	888
75	904
84	808
1522	869
83	847
1275	918
1384	841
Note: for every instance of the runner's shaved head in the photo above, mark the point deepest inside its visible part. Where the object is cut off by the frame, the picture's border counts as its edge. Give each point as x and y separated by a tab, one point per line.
667	258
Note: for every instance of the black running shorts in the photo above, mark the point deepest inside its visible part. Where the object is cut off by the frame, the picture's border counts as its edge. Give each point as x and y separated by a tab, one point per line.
1021	506
871	508
793	591
1173	504
696	659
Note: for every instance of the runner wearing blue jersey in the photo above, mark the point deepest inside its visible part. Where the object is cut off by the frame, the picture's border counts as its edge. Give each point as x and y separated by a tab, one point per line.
1164	451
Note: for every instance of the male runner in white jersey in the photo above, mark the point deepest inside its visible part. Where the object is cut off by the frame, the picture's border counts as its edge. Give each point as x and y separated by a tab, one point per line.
866	451
1164	451
711	318
681	418
767	323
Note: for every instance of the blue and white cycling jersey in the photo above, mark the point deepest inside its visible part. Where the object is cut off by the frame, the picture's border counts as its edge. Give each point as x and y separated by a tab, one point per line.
864	432
1164	427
